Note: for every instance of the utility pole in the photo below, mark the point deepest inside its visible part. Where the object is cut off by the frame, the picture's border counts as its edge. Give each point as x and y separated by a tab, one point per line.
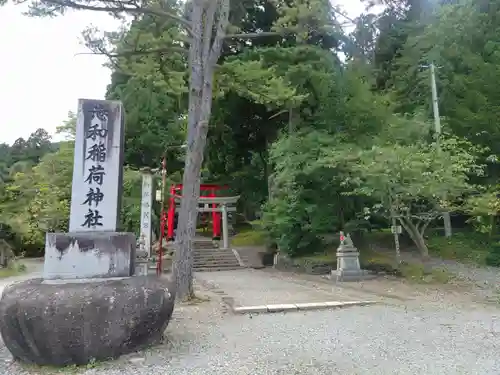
437	131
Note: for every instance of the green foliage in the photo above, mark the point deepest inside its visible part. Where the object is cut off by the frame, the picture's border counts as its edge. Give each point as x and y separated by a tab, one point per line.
460	40
258	83
131	202
68	128
416	272
409	181
250	237
467	247
403	174
493	258
313	145
37	200
304	197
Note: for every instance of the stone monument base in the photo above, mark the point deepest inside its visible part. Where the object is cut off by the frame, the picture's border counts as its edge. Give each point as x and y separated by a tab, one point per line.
89	255
68	323
352	275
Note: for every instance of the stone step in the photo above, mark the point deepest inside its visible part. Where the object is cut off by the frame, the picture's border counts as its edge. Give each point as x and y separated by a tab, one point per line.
204	244
214	254
203	253
209	257
215	259
215	269
217	264
212	250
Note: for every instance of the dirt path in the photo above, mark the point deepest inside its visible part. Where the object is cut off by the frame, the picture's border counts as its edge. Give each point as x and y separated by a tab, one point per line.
481	276
259	287
483	281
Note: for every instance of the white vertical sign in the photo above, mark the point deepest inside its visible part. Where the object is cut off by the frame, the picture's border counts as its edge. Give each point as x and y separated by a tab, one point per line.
97	168
146	203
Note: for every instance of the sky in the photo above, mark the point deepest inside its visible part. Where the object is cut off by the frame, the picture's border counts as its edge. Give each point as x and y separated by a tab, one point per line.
42	76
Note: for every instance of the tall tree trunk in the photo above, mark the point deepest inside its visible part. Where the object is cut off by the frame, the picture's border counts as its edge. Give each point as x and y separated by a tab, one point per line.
493	225
186	228
3	262
267	169
394	228
203	55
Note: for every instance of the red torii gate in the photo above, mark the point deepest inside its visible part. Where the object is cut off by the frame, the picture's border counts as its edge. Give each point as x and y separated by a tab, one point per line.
206	190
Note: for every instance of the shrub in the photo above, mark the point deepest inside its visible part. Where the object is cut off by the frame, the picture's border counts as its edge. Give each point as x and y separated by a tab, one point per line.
250	237
463	246
493	257
289	223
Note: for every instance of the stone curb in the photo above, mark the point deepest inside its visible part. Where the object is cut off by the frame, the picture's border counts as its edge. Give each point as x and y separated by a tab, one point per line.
237	255
265	309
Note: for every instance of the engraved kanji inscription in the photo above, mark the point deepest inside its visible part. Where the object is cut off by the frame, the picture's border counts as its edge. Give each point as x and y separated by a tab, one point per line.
96	174
97	153
99	112
94	196
92	219
96	131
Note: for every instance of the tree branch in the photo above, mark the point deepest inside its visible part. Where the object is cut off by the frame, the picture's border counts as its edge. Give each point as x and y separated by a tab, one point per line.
101	51
220	34
424	227
209	26
121	9
405	225
257	35
196	71
136	52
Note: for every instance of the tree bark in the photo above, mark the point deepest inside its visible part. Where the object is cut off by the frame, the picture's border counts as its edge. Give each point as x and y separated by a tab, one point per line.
394	227
493	225
204	55
396	238
417	235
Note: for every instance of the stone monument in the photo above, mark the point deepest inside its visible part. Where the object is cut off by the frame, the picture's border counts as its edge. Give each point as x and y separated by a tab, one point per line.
348	267
143	254
146	205
89	305
93	248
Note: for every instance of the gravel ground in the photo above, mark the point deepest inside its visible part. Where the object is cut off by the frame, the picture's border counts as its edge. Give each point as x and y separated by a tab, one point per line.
410	337
486	280
482	276
383	340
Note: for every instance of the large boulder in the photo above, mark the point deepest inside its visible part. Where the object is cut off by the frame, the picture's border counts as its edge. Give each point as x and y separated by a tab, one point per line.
76	323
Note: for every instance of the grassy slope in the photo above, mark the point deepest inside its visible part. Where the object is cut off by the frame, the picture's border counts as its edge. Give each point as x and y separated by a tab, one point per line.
462	247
